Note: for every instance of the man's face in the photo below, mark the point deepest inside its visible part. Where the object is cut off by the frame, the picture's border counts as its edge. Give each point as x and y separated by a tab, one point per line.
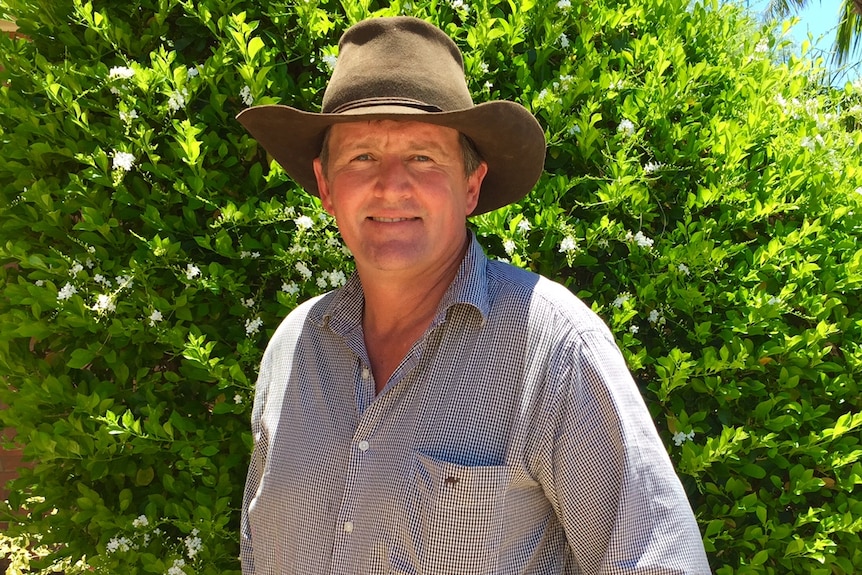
399	194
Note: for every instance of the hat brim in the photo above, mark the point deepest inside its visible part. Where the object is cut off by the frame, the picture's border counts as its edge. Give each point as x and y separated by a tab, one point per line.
505	134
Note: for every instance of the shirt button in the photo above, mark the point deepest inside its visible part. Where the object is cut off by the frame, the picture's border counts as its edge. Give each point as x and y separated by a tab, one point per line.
348	526
363	445
366	373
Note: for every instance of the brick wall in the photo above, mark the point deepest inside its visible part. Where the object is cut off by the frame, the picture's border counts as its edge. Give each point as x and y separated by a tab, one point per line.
10	461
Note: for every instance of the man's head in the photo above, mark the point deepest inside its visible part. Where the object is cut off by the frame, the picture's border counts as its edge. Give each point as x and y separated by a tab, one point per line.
400	194
405	69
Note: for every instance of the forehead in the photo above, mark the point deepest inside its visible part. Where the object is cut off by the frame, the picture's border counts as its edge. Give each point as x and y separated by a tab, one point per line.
412	133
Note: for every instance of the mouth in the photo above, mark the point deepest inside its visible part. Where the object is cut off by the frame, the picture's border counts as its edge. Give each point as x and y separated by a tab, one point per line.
391	220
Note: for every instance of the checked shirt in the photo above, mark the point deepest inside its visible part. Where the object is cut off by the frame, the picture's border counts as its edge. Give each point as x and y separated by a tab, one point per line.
510	440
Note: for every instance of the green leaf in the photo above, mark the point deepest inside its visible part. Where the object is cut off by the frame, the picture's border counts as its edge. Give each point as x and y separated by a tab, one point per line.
81	358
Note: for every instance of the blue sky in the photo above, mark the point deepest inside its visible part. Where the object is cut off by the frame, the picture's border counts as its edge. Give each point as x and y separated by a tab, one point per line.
820	19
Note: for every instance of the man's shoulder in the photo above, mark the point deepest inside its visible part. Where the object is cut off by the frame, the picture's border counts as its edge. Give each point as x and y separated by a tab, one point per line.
310	313
504	278
537	294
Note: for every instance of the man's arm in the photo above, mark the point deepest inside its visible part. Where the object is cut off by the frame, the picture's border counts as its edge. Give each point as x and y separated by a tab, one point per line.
622	506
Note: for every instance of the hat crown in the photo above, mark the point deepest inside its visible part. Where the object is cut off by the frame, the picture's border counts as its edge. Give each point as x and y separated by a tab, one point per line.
400	60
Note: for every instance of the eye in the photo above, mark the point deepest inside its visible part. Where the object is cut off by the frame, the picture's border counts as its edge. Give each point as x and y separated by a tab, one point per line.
421	158
362	158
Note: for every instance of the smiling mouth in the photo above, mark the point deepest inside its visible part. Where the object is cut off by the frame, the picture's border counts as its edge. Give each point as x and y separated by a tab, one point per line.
391	220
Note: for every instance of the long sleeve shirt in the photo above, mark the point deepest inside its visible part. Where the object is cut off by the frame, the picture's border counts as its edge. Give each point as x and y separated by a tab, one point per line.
511	439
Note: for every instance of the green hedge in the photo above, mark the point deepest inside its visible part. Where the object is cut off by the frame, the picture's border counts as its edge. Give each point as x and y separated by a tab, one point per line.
703	198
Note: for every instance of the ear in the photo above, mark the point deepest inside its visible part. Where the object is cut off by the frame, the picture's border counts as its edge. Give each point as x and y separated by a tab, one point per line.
323	187
474	186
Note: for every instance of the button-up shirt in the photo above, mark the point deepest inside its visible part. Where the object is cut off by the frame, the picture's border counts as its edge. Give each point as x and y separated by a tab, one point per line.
511	439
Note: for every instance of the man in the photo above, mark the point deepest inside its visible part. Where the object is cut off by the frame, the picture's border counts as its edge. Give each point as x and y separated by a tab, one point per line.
442	413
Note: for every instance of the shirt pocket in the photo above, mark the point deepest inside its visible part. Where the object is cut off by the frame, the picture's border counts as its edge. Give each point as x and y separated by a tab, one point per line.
458	516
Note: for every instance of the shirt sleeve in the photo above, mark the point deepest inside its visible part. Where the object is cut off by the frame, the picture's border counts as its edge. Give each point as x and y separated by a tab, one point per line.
610	479
255	472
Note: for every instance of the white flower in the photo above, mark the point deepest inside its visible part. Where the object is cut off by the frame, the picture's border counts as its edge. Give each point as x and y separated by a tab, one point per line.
237	399
121	544
544	95
509	246
290	288
330	61
488	85
141	521
193	544
652	167
626	127
249	303
563	4
127	117
337	278
621	299
808	144
616	86
66	292
679	437
76	269
252	326
568	245
192	271
104	303
656	317
634	329
244	254
121	72
177	568
321	282
123	161
524	226
255	255
483	67
643	241
90	263
155	317
193	71
576	129
177	99
774	301
246	96
857	85
303	270
859	190
683	269
460	5
124	281
304	222
603	243
564	41
40	283
762	46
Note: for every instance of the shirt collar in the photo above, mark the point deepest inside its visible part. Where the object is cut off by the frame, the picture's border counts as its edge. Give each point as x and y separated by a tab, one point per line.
469	288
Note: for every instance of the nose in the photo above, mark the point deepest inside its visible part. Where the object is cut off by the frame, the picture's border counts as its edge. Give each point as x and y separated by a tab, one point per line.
393	177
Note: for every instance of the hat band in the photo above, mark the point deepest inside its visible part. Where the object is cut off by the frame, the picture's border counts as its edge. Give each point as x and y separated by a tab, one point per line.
372	102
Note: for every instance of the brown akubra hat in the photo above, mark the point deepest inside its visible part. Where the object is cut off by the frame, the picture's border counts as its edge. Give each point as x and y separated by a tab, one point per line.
403	68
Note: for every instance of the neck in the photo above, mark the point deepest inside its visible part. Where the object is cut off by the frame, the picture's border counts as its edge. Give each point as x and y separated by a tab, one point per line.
393	297
397	312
